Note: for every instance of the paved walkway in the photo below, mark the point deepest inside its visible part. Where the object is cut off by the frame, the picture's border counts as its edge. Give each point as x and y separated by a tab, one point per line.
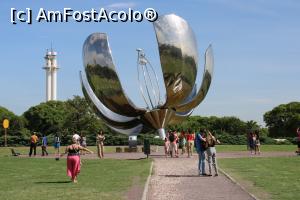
178	179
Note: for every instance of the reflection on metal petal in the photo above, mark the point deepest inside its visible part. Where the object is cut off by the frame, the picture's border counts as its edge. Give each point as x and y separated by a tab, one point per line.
191	95
157	118
107	115
178	57
207	77
103	78
179	117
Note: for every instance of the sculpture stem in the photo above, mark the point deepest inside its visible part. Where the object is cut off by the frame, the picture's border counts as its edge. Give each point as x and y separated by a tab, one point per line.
162	133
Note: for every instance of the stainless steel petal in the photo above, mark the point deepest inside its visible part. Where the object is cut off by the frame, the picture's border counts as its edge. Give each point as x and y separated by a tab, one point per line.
191	95
132	131
206	81
178	56
103	78
179	117
158	118
109	117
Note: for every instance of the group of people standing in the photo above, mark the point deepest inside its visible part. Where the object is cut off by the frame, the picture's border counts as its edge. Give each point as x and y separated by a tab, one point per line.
253	142
34	139
203	141
176	140
73	151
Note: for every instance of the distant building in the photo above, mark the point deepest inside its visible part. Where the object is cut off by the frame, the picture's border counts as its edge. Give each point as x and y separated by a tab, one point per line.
51	68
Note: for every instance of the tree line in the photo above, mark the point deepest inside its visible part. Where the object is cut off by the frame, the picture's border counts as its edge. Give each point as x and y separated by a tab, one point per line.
75	116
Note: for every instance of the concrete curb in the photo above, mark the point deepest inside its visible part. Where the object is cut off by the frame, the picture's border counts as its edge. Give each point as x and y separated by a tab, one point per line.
235	182
145	193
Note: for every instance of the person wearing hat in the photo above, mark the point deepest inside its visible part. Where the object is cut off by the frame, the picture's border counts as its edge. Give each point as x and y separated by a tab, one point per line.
73	159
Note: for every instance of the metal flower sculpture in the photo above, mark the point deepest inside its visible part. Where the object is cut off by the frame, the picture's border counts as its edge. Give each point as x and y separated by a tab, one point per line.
179	61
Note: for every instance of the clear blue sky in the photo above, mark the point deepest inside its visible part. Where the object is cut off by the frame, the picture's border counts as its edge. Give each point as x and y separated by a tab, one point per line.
256	45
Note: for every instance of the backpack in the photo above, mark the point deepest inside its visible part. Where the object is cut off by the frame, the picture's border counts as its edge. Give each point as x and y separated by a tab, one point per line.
204	145
56	140
210	141
172	137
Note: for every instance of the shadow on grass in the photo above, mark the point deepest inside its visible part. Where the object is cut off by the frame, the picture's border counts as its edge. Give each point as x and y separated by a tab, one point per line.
46	182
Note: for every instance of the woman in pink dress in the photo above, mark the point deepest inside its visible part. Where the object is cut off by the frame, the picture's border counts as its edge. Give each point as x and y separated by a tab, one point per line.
73	159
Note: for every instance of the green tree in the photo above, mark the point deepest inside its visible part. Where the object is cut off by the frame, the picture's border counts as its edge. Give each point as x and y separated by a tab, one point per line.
17	133
81	119
252	126
15	122
47	118
283	120
230	125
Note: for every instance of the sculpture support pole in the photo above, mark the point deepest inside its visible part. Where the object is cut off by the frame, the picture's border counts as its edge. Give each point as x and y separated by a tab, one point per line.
5	137
162	133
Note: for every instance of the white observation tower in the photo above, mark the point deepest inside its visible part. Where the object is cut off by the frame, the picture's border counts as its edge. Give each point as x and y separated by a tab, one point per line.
51	68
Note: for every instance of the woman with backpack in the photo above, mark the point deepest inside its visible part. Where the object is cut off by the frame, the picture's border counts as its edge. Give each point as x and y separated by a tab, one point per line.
211	152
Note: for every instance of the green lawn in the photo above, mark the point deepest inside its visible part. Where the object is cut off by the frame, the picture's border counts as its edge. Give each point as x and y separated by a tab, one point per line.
264	148
268	178
32	178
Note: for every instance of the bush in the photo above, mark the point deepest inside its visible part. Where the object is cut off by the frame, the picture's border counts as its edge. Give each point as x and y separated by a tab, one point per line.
15	141
267	140
225	138
292	140
151	138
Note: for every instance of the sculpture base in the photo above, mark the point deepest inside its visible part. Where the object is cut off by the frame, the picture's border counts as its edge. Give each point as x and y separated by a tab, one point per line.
162	133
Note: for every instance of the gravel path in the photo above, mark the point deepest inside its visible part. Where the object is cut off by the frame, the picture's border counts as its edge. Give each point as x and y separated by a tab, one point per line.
177	179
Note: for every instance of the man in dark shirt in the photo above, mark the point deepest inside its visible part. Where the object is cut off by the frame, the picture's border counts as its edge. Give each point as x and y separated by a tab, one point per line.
200	140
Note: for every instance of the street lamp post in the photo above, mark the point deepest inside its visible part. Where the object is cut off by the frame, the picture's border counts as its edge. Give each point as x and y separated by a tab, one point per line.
5	126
